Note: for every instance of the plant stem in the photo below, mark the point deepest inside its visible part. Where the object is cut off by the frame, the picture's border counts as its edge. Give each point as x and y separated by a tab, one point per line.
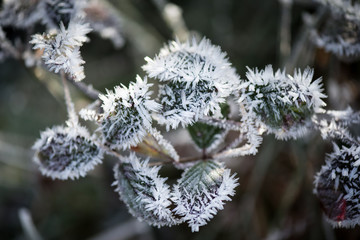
69	104
285	33
88	90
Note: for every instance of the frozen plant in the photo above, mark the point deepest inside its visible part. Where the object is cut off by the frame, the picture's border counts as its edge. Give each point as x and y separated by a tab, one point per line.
197	88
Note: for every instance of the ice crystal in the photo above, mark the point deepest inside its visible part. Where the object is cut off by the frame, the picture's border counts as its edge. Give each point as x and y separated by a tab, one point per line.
127	114
337	186
66	152
143	191
196	78
201	192
62	49
282	103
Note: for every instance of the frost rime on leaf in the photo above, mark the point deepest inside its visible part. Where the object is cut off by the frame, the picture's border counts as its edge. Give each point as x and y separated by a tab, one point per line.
144	192
281	103
341	37
127	114
337	186
349	8
201	192
66	152
196	78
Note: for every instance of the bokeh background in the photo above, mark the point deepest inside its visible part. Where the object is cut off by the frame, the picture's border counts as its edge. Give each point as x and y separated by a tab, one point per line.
275	198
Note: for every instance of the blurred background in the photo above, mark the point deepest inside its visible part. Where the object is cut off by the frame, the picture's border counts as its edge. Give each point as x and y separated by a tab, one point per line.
275	198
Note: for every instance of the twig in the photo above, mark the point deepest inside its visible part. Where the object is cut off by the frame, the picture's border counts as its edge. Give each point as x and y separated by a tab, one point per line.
127	230
112	152
88	90
5	44
182	160
310	22
285	30
28	225
69	104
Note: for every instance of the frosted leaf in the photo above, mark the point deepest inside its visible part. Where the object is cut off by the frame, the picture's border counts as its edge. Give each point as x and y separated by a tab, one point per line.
184	105
196	77
337	186
341	37
62	49
201	192
66	152
335	124
281	103
127	114
143	191
349	8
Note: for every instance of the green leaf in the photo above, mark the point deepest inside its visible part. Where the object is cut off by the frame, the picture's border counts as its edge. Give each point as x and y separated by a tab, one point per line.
204	135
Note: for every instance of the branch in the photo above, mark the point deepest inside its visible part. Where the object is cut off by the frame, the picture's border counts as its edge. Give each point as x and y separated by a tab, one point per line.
69	104
88	90
5	44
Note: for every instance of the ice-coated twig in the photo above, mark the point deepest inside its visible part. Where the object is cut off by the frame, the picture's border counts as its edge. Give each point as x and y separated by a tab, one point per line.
74	119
